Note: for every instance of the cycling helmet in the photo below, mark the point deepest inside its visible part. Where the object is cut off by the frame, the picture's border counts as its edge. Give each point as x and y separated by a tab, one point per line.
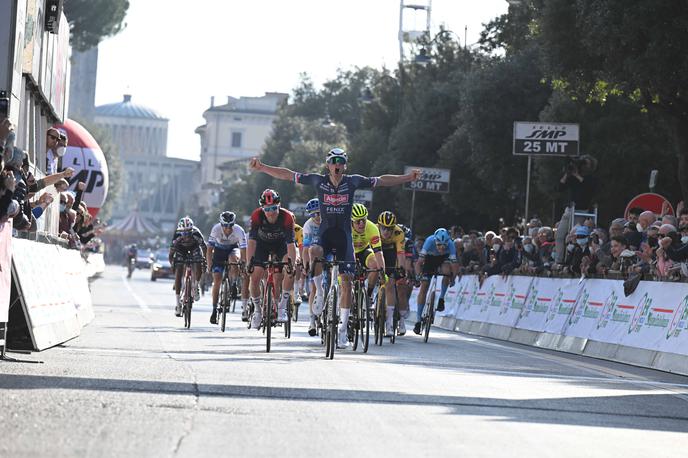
227	218
335	153
442	236
387	219
407	231
269	197
185	224
133	246
358	211
313	206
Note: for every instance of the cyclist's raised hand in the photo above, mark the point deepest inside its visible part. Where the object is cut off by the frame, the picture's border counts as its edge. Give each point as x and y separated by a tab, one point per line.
255	164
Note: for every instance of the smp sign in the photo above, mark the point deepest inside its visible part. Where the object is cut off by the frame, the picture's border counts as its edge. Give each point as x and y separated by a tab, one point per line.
431	180
545	139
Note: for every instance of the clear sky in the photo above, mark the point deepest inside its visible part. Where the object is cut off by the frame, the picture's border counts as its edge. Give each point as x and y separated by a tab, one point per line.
175	54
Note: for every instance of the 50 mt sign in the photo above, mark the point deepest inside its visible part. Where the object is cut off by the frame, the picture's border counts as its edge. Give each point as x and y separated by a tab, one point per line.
551	139
431	180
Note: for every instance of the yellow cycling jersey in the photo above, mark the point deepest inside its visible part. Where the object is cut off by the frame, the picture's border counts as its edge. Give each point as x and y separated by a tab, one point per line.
369	237
298	236
395	241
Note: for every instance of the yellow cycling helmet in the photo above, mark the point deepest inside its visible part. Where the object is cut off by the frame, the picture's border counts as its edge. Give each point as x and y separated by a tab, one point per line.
358	211
387	219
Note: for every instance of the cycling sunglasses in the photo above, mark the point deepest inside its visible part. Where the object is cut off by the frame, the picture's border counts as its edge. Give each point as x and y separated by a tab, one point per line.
359	221
314	214
271	208
336	160
225	225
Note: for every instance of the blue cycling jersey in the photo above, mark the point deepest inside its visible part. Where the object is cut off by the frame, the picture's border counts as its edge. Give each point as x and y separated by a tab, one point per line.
430	249
335	201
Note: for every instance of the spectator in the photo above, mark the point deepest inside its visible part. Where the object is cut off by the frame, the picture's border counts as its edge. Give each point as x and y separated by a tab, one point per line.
53	151
634	214
577	249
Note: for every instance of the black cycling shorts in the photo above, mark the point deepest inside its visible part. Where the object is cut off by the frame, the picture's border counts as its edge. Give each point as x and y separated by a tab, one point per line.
432	263
336	239
264	249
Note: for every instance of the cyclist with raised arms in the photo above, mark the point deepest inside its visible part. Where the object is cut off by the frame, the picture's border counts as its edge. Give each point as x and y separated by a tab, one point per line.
336	196
392	240
438	252
187	244
272	232
311	236
227	241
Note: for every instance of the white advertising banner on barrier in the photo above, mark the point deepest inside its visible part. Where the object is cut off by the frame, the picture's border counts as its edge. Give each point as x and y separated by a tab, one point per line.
5	269
510	308
467	286
562	305
616	314
475	296
655	304
74	269
48	302
541	296
591	302
676	337
496	290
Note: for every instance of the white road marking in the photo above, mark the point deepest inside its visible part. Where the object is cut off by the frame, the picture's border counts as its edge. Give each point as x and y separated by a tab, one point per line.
136	297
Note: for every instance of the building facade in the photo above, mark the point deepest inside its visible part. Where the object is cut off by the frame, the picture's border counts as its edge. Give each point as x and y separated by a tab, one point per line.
233	133
152	183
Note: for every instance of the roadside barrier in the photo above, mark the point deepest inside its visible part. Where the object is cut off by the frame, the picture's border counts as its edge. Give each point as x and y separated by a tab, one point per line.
53	291
590	317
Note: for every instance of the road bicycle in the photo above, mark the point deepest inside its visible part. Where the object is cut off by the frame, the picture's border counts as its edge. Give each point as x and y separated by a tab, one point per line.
428	316
229	291
187	292
359	321
329	319
269	305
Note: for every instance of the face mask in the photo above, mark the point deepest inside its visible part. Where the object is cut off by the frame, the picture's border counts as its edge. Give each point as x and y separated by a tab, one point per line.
582	242
569	247
639	227
61	150
684	239
496	247
528	248
63	207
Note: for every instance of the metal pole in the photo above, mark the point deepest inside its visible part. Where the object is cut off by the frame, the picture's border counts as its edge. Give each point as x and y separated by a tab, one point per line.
413	206
530	160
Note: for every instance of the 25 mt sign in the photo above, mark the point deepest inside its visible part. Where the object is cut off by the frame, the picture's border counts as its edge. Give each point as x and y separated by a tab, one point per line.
546	139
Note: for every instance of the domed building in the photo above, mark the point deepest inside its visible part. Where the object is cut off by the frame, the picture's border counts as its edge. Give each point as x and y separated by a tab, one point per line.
135	128
155	185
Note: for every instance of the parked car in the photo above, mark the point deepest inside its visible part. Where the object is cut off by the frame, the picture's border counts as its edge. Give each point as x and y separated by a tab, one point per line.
143	258
161	268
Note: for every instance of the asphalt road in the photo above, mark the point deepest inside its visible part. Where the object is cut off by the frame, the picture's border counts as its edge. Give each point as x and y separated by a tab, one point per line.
135	383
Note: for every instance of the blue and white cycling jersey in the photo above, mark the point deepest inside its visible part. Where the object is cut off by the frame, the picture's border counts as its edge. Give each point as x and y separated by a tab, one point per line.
220	241
311	233
430	249
335	201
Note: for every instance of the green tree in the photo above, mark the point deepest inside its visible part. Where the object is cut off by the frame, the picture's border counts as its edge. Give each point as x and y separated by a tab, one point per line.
596	49
92	20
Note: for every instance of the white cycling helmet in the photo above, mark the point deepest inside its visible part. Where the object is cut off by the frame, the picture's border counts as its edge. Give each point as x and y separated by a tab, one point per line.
335	153
185	224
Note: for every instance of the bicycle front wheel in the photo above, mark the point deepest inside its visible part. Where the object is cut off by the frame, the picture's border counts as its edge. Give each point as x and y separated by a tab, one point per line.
334	321
224	296
429	317
365	325
267	317
380	317
188	301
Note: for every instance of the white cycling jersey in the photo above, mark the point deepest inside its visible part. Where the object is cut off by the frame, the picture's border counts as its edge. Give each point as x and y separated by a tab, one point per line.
219	240
311	233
